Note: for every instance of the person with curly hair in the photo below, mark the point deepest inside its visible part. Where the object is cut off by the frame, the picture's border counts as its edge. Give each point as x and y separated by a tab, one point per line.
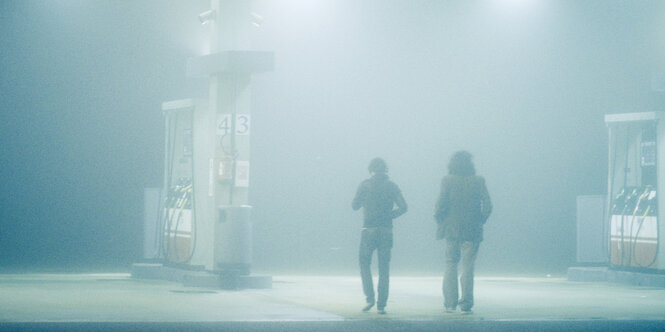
461	211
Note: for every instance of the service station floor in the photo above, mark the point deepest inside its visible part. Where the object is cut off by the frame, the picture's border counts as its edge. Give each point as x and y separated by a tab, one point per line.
321	303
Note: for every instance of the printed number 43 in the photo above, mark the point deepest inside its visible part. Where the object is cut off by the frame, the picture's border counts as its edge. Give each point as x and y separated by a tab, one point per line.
242	124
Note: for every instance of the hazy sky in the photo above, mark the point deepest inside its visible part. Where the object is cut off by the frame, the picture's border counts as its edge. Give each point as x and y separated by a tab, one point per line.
523	85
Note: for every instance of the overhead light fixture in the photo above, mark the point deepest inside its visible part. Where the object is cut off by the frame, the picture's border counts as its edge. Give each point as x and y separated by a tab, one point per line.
257	19
207	16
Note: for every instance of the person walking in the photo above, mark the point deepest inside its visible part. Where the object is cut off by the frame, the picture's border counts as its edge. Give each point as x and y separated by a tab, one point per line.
461	210
378	196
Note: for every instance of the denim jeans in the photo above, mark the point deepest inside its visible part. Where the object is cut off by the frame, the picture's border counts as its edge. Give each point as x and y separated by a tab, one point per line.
381	239
466	251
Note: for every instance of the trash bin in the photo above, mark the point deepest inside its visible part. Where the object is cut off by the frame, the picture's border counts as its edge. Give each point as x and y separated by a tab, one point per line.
233	239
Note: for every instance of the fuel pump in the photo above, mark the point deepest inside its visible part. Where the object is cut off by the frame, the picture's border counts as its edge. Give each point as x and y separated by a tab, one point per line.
177	234
633	186
205	221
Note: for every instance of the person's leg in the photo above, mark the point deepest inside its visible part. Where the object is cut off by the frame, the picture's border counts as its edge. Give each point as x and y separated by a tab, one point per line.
365	258
384	254
450	287
469	254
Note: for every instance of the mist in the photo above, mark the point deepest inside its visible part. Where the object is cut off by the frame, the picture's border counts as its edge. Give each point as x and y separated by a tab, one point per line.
522	85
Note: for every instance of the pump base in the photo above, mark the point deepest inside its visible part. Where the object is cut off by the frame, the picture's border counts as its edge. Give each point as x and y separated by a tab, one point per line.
605	274
192	278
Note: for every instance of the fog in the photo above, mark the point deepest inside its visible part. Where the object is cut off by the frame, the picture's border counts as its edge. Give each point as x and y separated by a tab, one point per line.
522	85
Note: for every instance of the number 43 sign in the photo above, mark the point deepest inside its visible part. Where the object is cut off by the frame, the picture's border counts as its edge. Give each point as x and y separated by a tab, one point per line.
224	124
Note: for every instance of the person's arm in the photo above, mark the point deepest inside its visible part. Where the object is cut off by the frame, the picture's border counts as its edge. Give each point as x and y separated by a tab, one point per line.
360	197
485	202
401	204
443	203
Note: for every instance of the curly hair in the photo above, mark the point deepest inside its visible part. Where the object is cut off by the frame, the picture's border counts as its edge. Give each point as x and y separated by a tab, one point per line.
461	164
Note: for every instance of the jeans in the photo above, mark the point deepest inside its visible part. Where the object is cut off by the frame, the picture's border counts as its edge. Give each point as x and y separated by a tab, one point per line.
467	252
379	238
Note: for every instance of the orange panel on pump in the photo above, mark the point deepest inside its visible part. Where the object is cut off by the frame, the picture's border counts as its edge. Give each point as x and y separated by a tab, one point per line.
178	235
634	241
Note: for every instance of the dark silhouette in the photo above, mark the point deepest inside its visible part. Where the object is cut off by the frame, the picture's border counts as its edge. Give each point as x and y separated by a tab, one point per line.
461	211
378	197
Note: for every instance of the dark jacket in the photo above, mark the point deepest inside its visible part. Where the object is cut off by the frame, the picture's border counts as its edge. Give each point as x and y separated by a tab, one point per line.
378	196
462	208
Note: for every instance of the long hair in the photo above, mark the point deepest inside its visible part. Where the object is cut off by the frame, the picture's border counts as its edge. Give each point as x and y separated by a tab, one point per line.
461	164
